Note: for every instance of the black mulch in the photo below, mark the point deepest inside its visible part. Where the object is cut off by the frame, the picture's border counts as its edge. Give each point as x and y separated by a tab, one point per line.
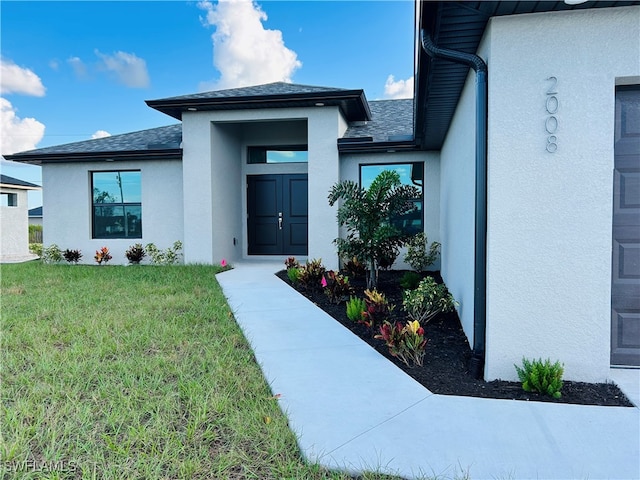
447	354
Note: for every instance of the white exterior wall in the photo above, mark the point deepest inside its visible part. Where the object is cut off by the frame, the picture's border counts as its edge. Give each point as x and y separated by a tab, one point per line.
67	197
215	169
14	226
550	214
350	170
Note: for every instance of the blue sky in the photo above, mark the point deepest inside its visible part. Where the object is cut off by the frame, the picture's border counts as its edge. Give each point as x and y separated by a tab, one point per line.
72	70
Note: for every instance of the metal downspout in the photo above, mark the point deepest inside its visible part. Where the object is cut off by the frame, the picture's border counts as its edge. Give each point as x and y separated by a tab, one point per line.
476	365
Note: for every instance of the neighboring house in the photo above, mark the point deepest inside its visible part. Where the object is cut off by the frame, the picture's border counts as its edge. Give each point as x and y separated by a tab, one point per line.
533	190
14	221
35	216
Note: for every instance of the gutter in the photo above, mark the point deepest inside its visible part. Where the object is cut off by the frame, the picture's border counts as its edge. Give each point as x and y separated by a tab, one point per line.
476	364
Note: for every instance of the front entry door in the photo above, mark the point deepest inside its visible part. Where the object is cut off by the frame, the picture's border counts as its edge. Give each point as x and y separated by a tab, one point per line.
277	212
625	277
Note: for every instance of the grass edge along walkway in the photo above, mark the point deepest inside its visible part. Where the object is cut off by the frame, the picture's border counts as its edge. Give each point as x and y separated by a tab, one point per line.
134	372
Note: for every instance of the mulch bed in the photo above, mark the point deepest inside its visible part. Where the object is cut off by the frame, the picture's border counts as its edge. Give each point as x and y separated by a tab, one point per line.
447	355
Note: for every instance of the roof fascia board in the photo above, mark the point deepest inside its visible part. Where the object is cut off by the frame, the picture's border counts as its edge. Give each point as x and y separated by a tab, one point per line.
167	154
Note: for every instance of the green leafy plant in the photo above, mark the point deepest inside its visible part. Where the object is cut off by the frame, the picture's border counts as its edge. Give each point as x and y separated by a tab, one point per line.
427	300
51	254
312	274
367	214
169	256
72	256
336	287
542	377
294	275
410	280
405	342
378	308
102	256
135	254
35	233
355	308
36	249
417	255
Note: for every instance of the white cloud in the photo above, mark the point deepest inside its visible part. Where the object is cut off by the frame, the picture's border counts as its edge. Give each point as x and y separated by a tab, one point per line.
17	134
79	68
244	52
100	134
399	88
129	69
15	79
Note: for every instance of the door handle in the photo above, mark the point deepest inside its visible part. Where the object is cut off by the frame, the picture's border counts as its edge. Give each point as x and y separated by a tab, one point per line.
280	220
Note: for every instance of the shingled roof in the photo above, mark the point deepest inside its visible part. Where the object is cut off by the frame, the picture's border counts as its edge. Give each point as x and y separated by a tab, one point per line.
15	182
151	143
352	103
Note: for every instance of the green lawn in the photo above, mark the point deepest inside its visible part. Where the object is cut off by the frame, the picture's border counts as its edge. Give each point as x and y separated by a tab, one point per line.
134	372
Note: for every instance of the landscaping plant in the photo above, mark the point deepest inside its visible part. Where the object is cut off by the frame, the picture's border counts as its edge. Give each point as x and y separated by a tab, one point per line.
410	280
355	308
312	275
170	256
417	255
542	377
102	256
405	342
378	308
367	215
51	254
36	249
427	301
336	287
355	268
135	254
72	256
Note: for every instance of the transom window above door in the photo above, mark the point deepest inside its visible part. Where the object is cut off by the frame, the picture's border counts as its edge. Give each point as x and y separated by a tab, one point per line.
279	154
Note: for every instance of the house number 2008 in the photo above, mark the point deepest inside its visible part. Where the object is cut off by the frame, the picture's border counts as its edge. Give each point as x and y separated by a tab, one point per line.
551	122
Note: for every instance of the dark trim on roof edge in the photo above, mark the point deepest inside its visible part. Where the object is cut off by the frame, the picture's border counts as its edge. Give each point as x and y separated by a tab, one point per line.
118	156
377	147
175	106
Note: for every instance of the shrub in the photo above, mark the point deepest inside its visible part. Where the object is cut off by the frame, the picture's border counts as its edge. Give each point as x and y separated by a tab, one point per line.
170	256
336	287
355	308
135	254
294	275
291	262
102	256
36	249
405	342
417	255
542	377
72	256
378	308
312	274
51	254
410	280
427	301
355	268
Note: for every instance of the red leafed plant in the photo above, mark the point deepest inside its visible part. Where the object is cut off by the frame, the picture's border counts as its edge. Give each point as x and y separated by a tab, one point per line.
102	256
406	342
378	308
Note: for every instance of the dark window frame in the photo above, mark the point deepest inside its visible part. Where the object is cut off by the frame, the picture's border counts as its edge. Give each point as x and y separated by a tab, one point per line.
257	154
418	201
95	233
12	199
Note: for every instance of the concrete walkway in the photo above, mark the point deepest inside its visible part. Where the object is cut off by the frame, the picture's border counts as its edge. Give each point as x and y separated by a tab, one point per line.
353	410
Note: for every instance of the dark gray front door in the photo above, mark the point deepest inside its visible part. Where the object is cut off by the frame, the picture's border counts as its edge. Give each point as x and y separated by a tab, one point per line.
625	276
277	214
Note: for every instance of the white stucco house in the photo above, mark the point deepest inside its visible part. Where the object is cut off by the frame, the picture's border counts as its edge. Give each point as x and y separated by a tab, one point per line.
524	137
14	219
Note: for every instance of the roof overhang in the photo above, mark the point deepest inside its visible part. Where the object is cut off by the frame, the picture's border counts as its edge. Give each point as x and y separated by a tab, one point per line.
460	25
115	156
352	103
